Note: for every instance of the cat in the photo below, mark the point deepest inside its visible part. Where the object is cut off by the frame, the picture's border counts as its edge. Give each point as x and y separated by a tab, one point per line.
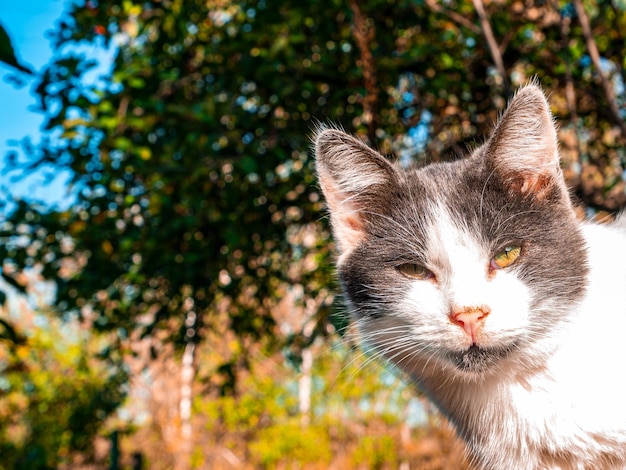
477	280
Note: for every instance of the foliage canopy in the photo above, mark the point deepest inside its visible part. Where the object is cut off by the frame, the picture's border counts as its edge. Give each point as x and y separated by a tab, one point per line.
190	160
194	198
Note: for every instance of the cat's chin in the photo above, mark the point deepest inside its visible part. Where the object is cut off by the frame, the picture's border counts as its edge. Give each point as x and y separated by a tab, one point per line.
478	360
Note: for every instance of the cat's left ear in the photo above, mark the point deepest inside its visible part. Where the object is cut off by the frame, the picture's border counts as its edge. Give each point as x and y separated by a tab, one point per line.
355	180
524	147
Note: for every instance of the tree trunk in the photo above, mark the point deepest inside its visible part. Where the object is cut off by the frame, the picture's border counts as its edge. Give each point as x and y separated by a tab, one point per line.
305	385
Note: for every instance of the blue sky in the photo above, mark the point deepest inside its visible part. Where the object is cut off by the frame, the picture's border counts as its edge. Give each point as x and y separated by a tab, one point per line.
26	22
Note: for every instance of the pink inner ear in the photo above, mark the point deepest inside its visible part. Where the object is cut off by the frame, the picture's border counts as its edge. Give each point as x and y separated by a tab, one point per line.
353	223
348	229
530	183
346	222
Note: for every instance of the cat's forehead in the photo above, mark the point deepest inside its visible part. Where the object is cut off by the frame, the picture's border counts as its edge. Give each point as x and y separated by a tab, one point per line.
450	237
455	205
442	177
452	189
449	228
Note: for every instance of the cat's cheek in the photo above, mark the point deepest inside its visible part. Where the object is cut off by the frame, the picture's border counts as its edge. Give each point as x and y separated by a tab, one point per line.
425	308
509	300
423	303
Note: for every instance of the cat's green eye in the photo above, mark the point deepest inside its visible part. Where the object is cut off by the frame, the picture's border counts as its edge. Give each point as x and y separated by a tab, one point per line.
506	257
416	271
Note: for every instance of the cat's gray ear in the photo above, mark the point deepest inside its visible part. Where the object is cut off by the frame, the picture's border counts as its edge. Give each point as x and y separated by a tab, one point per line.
524	148
354	179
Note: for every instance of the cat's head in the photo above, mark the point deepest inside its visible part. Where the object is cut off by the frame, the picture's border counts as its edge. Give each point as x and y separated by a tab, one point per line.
467	267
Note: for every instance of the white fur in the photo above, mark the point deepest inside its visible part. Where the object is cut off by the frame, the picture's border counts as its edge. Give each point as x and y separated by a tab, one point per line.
563	407
460	266
463	266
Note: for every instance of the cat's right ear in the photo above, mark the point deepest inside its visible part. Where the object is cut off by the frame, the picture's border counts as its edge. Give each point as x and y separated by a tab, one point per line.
524	148
354	179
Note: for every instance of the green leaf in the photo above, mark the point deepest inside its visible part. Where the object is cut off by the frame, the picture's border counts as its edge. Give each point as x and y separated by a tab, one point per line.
7	53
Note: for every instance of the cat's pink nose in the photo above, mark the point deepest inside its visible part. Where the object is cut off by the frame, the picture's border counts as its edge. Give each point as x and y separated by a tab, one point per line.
469	318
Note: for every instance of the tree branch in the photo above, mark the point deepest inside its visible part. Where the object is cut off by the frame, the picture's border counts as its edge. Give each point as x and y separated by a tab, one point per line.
496	55
592	48
570	89
364	35
618	32
454	16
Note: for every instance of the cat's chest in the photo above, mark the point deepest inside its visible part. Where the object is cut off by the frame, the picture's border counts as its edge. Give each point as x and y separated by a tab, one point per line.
528	424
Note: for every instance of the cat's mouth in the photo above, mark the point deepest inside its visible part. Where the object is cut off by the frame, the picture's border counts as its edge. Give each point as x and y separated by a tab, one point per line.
476	359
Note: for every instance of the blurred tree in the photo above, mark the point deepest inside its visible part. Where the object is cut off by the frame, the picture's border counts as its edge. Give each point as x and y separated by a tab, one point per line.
55	393
190	160
360	418
195	202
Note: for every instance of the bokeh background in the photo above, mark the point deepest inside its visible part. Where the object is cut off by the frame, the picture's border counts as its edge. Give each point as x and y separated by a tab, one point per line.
168	299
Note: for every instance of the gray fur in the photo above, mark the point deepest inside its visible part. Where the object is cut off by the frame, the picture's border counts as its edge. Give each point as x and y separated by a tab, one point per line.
509	191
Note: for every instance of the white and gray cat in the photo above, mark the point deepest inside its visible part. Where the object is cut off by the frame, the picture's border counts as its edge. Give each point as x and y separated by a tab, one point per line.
476	279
